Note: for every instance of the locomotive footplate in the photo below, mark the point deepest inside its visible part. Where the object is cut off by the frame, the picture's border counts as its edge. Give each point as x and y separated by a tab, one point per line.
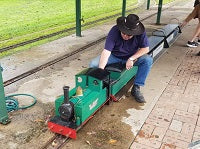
57	125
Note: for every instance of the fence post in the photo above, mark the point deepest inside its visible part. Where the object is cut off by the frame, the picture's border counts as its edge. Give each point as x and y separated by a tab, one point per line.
159	11
148	4
3	111
124	8
78	18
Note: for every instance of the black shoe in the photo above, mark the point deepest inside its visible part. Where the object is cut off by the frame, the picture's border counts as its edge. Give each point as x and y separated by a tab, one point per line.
135	92
198	41
198	54
192	44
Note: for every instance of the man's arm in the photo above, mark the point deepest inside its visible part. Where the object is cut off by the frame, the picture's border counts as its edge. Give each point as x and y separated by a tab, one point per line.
104	58
140	52
133	58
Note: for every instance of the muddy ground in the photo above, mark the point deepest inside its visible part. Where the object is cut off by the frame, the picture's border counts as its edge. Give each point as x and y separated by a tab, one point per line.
28	128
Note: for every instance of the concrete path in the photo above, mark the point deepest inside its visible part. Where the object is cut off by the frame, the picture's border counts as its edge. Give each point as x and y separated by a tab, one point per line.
169	119
173	122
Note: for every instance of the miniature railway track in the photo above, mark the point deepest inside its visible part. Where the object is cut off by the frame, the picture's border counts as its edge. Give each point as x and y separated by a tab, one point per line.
37	69
56	142
28	73
58	33
63	31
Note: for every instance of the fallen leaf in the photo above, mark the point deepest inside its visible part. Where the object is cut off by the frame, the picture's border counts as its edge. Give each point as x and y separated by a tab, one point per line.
54	144
88	142
112	141
91	133
38	120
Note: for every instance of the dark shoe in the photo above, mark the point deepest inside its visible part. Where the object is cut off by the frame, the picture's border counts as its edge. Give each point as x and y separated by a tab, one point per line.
135	92
192	44
198	54
198	41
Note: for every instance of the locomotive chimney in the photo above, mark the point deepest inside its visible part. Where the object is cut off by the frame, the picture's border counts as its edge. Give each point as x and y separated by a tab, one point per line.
66	94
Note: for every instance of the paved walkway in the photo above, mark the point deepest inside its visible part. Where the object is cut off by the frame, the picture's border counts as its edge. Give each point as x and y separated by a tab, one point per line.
174	121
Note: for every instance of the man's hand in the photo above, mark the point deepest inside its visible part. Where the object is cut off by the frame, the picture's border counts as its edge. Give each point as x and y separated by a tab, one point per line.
129	64
182	25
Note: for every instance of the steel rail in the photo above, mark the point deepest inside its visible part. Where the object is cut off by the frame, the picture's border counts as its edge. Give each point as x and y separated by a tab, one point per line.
58	33
56	142
30	72
64	31
59	141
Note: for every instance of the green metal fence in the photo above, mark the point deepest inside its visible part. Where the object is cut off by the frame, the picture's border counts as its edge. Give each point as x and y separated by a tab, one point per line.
3	111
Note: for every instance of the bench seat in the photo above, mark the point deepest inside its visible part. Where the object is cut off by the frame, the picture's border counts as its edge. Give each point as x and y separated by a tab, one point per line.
156	45
170	32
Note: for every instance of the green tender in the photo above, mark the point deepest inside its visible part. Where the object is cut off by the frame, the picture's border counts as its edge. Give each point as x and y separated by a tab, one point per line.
122	78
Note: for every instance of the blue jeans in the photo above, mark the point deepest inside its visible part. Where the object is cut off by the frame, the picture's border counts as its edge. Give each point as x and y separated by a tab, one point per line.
144	64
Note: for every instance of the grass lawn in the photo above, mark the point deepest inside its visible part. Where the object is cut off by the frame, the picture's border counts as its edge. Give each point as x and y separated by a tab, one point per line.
22	17
165	1
23	20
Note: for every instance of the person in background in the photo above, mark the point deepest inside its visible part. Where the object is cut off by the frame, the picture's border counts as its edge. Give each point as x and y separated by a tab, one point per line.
127	43
193	15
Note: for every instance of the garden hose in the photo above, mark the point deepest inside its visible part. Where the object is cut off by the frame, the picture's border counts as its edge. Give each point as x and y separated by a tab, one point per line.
12	104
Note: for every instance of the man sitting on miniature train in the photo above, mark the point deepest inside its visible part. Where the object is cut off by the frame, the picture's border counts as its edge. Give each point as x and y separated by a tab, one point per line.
127	43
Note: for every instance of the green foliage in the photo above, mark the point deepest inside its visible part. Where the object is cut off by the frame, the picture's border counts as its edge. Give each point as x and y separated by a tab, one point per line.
165	1
30	18
23	20
21	17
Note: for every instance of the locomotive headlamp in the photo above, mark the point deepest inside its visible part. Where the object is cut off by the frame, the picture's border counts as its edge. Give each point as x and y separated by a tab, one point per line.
79	79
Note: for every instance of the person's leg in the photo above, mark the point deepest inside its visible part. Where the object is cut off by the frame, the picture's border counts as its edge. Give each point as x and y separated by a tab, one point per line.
196	33
192	15
198	41
192	42
198	30
144	64
94	63
112	59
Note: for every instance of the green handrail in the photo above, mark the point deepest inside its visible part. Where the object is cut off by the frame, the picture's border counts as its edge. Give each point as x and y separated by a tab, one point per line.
78	18
159	11
148	4
124	8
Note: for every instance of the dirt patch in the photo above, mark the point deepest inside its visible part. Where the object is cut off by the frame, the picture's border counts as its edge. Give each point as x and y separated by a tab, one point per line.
26	126
106	130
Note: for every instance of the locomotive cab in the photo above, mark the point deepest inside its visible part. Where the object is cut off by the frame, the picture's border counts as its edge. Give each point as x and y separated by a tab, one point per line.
71	115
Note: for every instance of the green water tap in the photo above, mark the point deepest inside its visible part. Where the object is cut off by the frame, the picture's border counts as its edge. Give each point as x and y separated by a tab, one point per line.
3	111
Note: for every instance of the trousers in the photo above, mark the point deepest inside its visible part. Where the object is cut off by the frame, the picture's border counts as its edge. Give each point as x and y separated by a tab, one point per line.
144	64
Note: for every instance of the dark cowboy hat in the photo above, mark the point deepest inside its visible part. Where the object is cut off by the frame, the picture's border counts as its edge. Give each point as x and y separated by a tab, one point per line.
130	25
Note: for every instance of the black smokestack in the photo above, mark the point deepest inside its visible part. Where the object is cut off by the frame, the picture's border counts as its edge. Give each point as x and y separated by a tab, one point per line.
66	94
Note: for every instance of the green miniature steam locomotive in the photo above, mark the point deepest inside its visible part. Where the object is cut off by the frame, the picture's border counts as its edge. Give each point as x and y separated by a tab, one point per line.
77	106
